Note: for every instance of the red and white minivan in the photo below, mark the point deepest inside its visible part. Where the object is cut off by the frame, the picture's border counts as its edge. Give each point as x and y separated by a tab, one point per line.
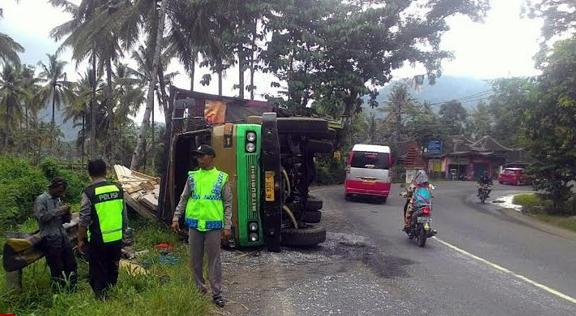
368	171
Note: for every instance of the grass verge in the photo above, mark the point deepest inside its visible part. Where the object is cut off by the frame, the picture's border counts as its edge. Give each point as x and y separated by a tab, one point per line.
535	206
167	288
557	220
528	199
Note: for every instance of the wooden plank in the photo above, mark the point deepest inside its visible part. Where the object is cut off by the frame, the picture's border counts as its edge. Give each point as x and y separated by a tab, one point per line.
139	208
133	189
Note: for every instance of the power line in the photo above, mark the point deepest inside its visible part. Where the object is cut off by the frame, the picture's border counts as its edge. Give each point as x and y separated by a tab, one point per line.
467	98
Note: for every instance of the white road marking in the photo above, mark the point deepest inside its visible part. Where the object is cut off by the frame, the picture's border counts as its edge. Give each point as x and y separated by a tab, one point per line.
516	275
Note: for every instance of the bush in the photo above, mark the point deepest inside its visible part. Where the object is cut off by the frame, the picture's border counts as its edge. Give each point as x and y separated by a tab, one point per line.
528	199
77	181
330	171
20	184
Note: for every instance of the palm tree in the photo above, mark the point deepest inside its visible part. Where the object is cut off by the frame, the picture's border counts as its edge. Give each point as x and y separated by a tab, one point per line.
137	157
9	48
399	103
30	85
191	31
12	95
79	110
75	34
129	96
56	88
143	73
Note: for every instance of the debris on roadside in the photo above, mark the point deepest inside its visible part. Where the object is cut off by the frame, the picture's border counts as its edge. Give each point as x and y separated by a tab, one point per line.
132	268
141	191
506	202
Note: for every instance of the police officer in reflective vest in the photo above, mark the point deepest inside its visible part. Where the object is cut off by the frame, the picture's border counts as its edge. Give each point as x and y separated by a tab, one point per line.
102	224
206	203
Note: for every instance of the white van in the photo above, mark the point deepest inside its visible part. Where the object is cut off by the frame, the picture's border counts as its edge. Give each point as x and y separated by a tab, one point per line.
368	171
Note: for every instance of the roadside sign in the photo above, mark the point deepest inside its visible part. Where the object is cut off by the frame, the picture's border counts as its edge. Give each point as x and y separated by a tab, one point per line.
434	147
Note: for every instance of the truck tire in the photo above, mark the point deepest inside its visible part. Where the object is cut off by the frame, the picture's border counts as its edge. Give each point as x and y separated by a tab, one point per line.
313	203
319	147
303	237
313	217
302	125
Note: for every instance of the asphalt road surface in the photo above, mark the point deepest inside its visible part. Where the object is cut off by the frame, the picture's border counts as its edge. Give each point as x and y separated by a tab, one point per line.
484	261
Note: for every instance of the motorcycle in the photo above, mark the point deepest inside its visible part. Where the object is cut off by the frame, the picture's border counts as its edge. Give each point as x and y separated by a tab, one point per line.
420	228
484	191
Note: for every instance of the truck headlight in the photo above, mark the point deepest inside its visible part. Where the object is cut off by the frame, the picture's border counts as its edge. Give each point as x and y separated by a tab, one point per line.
253	237
253	226
251	136
250	147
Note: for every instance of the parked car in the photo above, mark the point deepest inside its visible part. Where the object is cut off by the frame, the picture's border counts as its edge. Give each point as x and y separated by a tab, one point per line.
514	176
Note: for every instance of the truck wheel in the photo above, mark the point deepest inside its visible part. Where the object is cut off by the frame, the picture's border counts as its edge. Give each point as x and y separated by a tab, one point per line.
303	237
302	125
314	203
312	217
320	147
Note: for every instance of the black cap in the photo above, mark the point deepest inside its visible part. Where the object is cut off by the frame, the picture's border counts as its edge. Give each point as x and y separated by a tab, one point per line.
204	150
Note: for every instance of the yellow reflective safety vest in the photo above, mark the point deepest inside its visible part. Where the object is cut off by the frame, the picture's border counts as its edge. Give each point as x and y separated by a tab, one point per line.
205	207
107	206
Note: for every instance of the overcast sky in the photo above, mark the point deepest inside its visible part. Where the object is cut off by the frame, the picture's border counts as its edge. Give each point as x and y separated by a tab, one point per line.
501	47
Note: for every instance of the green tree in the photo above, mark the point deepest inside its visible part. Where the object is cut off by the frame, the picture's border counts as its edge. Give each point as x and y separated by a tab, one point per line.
9	48
454	118
558	15
129	97
397	107
79	111
333	50
159	35
75	33
56	88
12	95
510	100
551	124
481	121
424	125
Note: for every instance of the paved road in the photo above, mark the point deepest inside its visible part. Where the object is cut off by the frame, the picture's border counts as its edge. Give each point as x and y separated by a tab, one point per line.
483	262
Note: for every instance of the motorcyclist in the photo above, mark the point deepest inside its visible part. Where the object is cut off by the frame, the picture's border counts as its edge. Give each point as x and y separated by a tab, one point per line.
420	181
484	182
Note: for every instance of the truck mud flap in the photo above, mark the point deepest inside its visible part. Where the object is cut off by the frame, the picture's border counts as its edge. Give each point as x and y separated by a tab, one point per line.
272	203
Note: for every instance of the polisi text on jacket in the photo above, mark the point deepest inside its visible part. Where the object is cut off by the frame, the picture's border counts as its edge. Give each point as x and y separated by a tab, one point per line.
108	196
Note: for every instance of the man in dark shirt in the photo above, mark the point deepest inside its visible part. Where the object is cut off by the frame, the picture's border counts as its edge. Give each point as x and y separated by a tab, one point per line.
51	214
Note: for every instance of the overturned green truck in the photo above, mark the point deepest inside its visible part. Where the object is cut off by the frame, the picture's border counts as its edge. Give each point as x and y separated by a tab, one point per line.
269	157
